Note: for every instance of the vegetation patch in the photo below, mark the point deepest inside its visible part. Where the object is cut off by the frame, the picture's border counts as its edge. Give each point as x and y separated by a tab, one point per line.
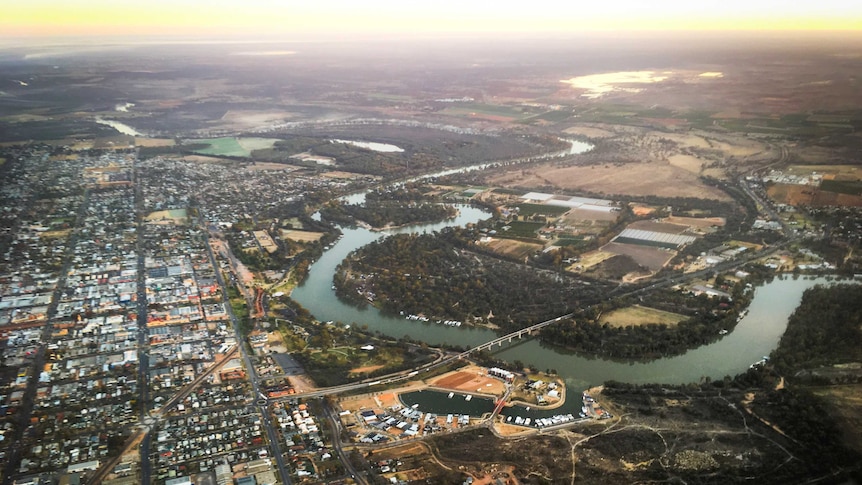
852	187
431	275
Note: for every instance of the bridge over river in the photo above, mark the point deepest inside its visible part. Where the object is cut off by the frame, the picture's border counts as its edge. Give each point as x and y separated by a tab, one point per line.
406	374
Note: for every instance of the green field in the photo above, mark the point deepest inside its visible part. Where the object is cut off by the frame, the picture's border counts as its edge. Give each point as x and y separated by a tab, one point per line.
545	210
233	147
522	229
852	187
478	109
551	116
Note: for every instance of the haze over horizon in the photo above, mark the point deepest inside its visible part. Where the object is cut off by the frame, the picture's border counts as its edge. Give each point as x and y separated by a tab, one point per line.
230	19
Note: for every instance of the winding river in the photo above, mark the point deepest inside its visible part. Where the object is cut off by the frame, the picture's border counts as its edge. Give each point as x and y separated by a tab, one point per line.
755	336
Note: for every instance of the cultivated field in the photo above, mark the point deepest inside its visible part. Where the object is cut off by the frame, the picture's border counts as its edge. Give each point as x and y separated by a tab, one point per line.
234	147
590	259
638	315
650	257
645	178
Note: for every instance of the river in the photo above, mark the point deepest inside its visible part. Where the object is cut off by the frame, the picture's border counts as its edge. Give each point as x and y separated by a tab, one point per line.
755	336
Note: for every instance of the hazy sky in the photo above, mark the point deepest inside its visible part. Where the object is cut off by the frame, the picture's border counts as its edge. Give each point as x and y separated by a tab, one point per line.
296	18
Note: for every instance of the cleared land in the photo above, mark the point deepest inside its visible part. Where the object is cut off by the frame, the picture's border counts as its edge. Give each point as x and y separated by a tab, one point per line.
154	142
592	258
812	196
469	379
650	257
301	236
639	315
513	248
699	223
175	216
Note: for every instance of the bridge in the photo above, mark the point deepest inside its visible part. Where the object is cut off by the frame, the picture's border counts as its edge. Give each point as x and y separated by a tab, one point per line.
406	374
516	334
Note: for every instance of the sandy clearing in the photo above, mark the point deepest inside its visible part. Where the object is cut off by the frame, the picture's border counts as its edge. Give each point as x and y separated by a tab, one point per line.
301	236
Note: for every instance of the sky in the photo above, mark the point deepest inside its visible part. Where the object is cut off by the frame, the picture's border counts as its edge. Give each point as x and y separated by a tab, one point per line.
298	18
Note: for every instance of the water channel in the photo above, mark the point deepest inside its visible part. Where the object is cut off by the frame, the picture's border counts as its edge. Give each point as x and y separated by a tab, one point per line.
755	336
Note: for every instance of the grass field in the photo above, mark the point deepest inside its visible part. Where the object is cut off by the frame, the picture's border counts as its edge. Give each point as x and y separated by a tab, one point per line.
526	209
234	147
489	111
522	229
852	187
301	236
638	315
176	216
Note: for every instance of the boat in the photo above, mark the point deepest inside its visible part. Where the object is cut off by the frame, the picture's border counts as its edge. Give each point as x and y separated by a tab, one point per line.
722	332
469	396
451	394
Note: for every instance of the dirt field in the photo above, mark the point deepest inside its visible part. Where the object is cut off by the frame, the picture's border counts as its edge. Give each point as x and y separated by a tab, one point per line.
516	249
376	401
812	196
590	259
469	379
638	315
301	236
652	258
302	383
648	178
367	368
699	223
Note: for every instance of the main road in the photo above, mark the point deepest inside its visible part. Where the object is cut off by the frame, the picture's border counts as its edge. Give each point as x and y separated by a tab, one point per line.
272	435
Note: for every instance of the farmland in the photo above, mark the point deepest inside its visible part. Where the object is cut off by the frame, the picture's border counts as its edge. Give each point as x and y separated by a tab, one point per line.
234	146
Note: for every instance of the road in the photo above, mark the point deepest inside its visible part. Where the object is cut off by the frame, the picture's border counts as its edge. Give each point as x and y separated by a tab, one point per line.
272	435
335	427
143	332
